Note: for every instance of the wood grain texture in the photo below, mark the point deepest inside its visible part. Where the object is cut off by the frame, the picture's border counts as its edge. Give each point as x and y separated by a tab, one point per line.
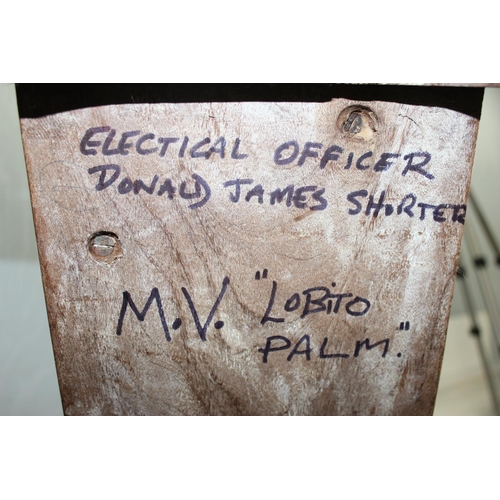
401	261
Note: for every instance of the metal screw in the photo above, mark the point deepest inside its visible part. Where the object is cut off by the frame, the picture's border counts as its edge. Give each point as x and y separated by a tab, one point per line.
359	122
105	247
354	123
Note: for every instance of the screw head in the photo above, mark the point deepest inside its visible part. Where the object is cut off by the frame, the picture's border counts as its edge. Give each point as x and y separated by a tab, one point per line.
354	123
104	247
358	122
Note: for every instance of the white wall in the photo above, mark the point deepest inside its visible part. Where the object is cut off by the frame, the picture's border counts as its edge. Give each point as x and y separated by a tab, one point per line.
28	381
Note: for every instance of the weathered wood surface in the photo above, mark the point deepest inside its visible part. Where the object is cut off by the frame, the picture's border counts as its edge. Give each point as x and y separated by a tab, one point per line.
245	273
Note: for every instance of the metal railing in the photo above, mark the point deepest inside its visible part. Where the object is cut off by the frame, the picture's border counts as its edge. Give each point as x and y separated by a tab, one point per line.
480	245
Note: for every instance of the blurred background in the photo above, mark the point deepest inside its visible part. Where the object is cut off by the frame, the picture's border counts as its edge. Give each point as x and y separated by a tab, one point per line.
470	377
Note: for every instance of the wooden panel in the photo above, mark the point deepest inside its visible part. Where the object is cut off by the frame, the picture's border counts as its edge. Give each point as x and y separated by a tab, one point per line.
249	258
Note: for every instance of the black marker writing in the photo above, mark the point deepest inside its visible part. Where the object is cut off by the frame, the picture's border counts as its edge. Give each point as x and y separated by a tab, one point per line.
202	330
291	151
95	141
303	347
301	197
109	174
127	301
377	205
317	299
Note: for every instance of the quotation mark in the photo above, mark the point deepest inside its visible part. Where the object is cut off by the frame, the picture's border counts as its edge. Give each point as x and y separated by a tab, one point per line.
404	325
264	275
